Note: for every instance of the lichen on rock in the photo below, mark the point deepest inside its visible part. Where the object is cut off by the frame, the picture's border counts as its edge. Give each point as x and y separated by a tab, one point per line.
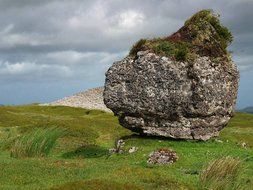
182	86
163	156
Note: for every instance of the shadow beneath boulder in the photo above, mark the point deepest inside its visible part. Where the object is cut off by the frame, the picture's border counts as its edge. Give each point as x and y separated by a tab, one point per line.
144	136
87	151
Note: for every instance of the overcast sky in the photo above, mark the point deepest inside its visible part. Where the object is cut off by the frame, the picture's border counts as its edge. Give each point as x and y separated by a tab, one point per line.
53	48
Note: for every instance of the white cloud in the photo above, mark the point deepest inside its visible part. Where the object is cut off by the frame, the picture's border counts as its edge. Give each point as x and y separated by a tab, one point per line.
9	39
130	19
7	29
83	17
26	67
69	56
72	57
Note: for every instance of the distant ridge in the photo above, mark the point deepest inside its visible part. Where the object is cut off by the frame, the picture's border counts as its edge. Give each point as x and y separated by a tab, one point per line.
90	99
247	110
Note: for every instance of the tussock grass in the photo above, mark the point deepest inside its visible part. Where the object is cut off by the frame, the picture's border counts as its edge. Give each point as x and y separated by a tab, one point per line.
38	143
221	174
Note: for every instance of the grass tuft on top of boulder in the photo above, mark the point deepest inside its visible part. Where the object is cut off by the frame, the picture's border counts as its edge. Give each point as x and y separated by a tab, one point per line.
202	34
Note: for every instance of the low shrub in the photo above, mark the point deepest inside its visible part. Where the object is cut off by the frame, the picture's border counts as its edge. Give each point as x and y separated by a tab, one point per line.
37	143
138	46
177	50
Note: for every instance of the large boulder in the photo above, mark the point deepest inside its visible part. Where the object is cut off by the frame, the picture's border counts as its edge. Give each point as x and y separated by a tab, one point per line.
176	86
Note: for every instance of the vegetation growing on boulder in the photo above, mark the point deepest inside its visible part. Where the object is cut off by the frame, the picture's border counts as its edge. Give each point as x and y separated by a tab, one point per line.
138	46
202	34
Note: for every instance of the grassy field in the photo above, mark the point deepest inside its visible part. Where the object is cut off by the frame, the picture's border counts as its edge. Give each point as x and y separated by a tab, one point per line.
80	159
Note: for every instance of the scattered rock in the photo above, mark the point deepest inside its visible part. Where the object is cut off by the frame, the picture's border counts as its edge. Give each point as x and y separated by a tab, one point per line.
162	94
112	150
162	156
219	141
244	145
132	149
119	144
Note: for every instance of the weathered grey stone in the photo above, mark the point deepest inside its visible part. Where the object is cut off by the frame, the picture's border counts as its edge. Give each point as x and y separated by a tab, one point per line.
162	156
156	95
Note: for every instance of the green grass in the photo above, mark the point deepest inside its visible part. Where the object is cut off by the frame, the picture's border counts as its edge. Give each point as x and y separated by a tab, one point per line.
80	158
221	174
178	50
37	143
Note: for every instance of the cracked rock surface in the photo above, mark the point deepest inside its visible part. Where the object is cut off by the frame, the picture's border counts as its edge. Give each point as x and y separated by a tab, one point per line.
156	95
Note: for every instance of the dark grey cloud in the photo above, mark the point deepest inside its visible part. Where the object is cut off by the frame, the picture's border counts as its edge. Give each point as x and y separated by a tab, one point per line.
75	41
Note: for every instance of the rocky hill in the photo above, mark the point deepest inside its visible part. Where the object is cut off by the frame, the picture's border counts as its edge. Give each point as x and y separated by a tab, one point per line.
90	99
